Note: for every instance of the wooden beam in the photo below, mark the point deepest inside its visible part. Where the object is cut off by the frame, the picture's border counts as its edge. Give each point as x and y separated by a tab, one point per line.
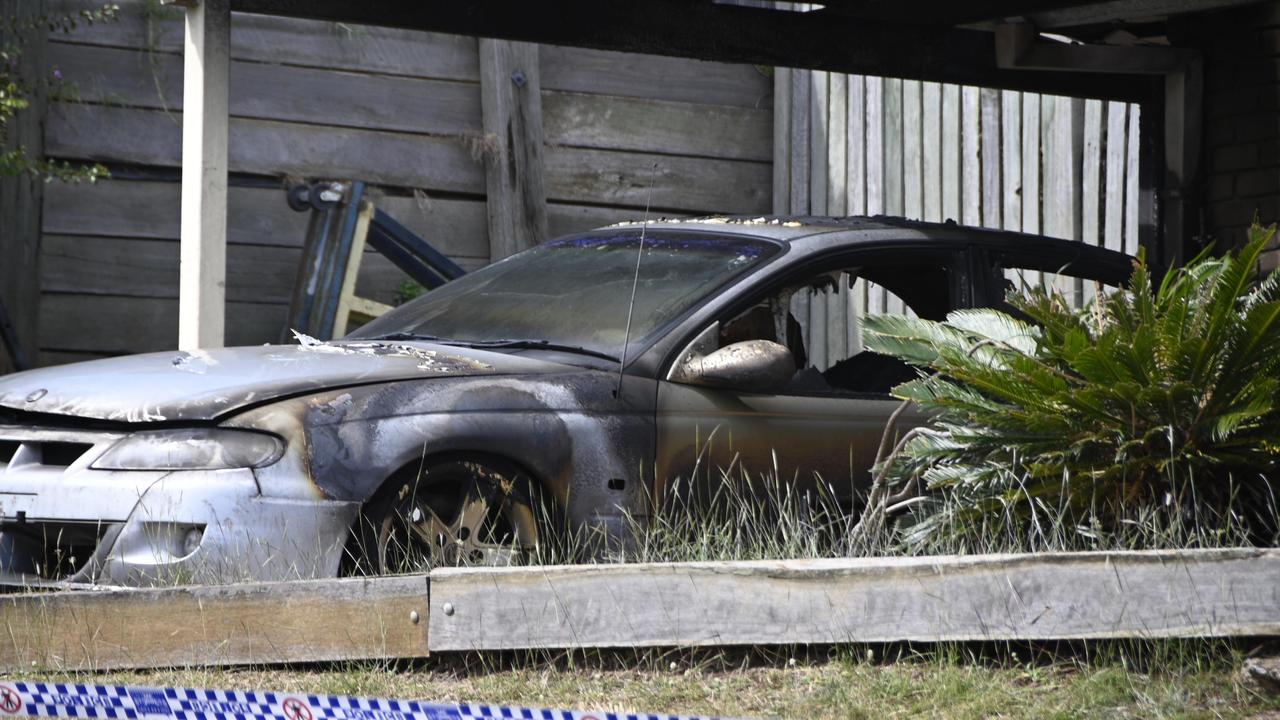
942	12
511	105
998	597
21	197
249	624
725	33
202	277
1183	130
1111	11
1155	594
1018	47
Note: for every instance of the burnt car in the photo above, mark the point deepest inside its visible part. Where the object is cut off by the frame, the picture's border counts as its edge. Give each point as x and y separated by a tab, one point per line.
580	380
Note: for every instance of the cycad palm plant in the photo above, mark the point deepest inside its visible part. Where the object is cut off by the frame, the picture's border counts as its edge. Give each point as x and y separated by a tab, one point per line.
1163	397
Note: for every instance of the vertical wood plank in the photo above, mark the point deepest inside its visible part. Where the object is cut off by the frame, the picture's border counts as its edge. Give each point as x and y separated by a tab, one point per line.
931	149
835	328
838	322
989	100
875	145
1091	174
893	304
951	150
818	137
1132	183
1063	140
837	144
1051	208
857	146
893	161
800	89
202	293
876	299
971	160
856	309
511	104
800	311
22	196
817	329
781	140
1031	163
912	151
1051	136
1091	183
1011	158
1114	176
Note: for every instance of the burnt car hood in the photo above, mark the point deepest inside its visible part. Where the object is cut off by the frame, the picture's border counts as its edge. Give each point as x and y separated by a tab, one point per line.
204	385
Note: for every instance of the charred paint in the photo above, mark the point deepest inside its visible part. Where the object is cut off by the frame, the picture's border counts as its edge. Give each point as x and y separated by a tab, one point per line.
567	430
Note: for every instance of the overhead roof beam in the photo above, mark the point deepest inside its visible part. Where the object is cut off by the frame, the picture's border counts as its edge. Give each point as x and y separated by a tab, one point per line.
725	33
943	12
1117	10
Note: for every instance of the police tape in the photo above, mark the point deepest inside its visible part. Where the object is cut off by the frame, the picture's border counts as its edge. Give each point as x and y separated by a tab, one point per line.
67	700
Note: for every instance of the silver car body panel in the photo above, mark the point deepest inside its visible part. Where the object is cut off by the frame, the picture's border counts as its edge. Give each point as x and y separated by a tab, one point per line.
206	384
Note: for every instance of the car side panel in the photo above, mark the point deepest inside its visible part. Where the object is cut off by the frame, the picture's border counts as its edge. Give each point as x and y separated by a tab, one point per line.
711	436
591	451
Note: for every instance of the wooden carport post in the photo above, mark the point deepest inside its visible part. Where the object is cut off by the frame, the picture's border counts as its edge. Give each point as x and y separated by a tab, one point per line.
202	279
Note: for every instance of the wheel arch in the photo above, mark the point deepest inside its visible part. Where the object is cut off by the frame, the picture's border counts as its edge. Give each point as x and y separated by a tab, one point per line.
494	460
552	514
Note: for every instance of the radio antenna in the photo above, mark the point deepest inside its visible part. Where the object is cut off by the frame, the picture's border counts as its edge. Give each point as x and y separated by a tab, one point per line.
635	281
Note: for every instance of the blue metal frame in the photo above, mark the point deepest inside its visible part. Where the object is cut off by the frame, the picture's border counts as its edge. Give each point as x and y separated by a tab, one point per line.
411	253
337	270
327	254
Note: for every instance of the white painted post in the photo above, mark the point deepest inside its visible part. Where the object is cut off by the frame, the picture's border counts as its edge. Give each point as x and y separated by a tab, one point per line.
202	277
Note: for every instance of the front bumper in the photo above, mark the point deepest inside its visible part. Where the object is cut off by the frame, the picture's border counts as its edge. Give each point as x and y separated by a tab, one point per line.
64	523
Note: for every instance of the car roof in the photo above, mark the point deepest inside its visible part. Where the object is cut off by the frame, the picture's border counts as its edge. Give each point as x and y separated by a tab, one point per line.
815	232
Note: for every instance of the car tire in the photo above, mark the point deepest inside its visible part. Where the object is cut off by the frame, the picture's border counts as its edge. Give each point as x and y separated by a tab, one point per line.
451	512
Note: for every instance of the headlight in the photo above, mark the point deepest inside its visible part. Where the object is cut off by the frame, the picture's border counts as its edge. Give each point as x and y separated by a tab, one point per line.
195	449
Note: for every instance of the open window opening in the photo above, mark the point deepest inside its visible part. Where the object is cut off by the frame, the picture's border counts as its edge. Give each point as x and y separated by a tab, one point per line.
820	319
1076	282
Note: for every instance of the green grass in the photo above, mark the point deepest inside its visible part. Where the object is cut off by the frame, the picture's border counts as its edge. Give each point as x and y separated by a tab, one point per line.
1190	679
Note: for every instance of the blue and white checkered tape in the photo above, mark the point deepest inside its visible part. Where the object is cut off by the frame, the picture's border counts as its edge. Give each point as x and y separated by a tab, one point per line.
67	700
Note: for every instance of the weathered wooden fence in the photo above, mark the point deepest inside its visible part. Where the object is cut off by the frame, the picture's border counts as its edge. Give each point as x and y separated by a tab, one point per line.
854	145
1160	594
402	110
399	109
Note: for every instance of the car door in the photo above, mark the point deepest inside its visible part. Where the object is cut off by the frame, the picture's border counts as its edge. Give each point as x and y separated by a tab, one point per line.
822	430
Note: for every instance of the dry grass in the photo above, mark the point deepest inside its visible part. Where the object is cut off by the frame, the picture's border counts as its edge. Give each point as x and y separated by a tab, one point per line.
1195	679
